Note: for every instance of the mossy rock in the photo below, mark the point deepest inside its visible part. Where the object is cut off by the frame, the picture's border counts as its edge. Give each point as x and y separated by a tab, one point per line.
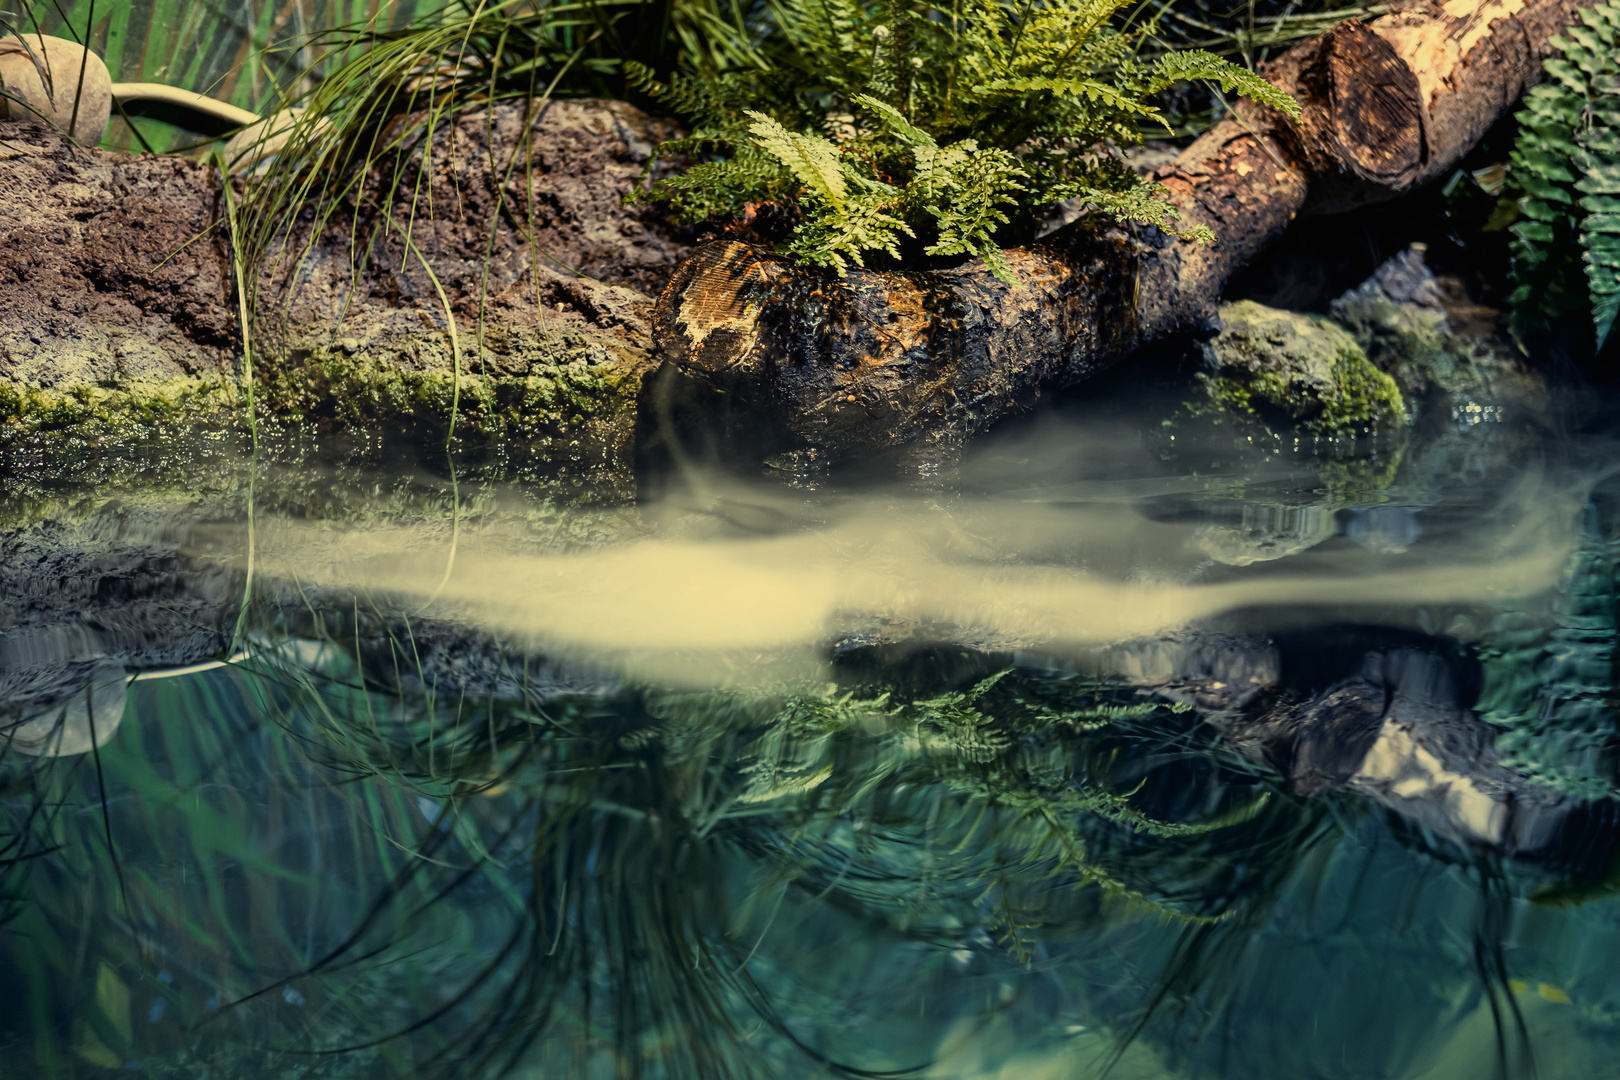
1411	343
567	395
1288	367
85	416
554	404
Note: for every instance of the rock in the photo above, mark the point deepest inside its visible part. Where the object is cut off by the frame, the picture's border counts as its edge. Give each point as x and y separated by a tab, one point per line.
1208	671
83	600
251	147
1394	731
85	719
56	82
120	319
103	336
1427	337
1388	530
1399	317
1298	368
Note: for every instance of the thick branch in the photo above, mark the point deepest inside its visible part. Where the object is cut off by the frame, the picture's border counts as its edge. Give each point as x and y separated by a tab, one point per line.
887	359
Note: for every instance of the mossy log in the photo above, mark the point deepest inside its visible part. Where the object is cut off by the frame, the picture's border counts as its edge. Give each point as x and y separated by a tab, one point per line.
924	360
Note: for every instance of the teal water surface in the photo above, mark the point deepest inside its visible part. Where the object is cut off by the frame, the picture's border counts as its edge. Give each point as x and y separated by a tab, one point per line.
1143	756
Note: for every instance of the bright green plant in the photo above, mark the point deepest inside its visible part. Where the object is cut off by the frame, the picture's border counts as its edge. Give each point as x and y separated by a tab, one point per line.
1567	164
948	125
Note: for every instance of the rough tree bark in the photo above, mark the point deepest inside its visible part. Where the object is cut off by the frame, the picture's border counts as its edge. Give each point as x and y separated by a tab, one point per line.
927	359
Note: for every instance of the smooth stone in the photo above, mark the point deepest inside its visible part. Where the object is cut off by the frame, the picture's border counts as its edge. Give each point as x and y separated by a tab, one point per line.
1267	533
255	145
42	84
66	728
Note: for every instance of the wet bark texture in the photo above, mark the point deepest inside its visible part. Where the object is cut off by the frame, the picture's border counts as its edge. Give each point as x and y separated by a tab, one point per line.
926	360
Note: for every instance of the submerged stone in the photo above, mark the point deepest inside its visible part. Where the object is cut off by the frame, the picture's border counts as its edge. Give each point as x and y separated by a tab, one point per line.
84	718
1266	533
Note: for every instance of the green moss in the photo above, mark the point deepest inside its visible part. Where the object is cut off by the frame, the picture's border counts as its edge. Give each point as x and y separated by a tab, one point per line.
545	394
1363	394
1281	366
86	416
546	406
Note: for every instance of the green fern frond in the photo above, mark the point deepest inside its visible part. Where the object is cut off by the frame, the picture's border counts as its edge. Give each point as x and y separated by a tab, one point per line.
1099	92
952	125
1190	65
811	158
1145	204
981	181
865	223
895	121
1566	164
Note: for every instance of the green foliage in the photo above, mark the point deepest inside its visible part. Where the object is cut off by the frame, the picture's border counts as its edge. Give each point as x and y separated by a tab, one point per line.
949	125
1567	165
1549	680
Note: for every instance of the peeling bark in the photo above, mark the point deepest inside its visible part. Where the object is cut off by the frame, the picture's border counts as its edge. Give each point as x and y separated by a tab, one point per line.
887	359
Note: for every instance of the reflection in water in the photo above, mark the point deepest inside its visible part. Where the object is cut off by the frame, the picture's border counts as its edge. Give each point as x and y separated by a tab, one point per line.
753	571
1061	768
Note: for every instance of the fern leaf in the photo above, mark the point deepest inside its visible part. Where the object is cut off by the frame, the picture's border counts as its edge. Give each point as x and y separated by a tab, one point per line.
1091	89
1567	162
896	121
1144	204
1604	310
1566	73
977	116
1600	236
811	158
1193	64
1600	179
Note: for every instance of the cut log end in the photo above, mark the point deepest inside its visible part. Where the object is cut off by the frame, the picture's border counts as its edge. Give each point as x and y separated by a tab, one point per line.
1375	108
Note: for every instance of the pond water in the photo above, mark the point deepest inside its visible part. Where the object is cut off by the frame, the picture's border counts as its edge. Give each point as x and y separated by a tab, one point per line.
1136	746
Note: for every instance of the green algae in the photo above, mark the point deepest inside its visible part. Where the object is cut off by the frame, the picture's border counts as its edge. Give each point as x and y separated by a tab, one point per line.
533	387
65	429
560	405
90	414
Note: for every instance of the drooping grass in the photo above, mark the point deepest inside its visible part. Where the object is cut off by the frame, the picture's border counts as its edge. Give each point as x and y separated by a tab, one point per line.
224	866
396	841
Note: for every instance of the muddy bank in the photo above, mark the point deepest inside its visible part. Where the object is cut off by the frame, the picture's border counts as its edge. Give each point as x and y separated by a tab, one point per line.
121	321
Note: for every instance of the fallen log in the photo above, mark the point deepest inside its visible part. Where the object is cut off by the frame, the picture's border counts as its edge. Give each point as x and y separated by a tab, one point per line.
925	360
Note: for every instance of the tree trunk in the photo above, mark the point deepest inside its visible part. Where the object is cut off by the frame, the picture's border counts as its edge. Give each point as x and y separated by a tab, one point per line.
887	359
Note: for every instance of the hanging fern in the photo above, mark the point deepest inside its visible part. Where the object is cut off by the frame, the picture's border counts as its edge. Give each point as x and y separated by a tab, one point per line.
1567	165
946	127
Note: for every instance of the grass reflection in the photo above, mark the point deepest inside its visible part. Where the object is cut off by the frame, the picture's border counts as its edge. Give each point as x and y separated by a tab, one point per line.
301	858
